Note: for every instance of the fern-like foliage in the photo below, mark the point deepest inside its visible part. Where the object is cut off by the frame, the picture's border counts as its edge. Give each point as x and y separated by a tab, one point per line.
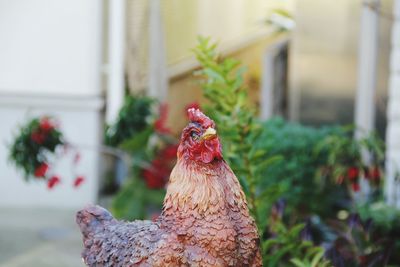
230	107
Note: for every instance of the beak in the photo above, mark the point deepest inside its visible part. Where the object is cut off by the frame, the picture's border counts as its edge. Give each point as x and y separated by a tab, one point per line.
210	133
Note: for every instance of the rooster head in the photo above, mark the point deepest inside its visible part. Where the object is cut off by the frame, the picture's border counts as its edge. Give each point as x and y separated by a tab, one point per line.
199	140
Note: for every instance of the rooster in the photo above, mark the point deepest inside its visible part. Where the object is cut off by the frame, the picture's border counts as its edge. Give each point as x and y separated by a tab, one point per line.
205	220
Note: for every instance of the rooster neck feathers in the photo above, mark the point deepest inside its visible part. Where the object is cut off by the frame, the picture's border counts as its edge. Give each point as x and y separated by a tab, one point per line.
206	188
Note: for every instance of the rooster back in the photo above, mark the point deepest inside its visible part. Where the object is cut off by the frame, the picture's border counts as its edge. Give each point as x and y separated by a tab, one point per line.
108	242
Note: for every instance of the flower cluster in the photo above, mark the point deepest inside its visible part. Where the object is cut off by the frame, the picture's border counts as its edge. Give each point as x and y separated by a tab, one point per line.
354	173
37	144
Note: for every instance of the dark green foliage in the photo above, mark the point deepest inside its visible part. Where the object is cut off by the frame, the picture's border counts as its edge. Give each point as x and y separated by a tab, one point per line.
132	118
36	141
302	188
386	218
288	249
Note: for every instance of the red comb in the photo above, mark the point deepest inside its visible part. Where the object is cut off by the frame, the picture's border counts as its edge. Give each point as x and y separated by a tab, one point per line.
195	115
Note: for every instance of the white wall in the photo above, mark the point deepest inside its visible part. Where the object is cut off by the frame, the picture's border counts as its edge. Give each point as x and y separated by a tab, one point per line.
50	63
50	46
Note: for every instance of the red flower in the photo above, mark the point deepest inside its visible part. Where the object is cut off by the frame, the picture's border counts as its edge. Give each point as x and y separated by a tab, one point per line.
157	175
46	125
160	123
41	170
53	181
38	137
355	187
352	173
169	152
153	180
78	181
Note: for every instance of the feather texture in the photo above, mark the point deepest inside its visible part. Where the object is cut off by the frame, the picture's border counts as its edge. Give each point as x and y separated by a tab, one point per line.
205	220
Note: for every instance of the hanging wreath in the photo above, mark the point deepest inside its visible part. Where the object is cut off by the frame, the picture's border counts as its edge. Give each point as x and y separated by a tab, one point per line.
38	144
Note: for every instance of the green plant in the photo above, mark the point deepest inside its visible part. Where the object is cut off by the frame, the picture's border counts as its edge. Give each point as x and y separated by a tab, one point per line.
314	257
230	108
386	218
132	119
304	188
289	245
284	245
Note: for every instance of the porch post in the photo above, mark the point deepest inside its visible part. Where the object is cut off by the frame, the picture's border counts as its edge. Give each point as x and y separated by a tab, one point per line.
392	185
367	61
115	68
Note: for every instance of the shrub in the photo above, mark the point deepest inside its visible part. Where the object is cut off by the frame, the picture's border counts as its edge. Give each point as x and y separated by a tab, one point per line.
132	119
303	188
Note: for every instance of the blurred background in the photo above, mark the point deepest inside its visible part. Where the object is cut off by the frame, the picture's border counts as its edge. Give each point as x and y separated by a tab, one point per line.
316	63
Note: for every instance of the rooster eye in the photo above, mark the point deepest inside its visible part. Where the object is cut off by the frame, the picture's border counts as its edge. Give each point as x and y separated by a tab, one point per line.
194	135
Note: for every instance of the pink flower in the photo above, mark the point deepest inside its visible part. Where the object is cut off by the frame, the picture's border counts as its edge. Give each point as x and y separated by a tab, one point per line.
53	181
78	181
41	170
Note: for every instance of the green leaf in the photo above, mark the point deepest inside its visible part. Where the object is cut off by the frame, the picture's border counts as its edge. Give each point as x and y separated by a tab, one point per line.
136	142
317	258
